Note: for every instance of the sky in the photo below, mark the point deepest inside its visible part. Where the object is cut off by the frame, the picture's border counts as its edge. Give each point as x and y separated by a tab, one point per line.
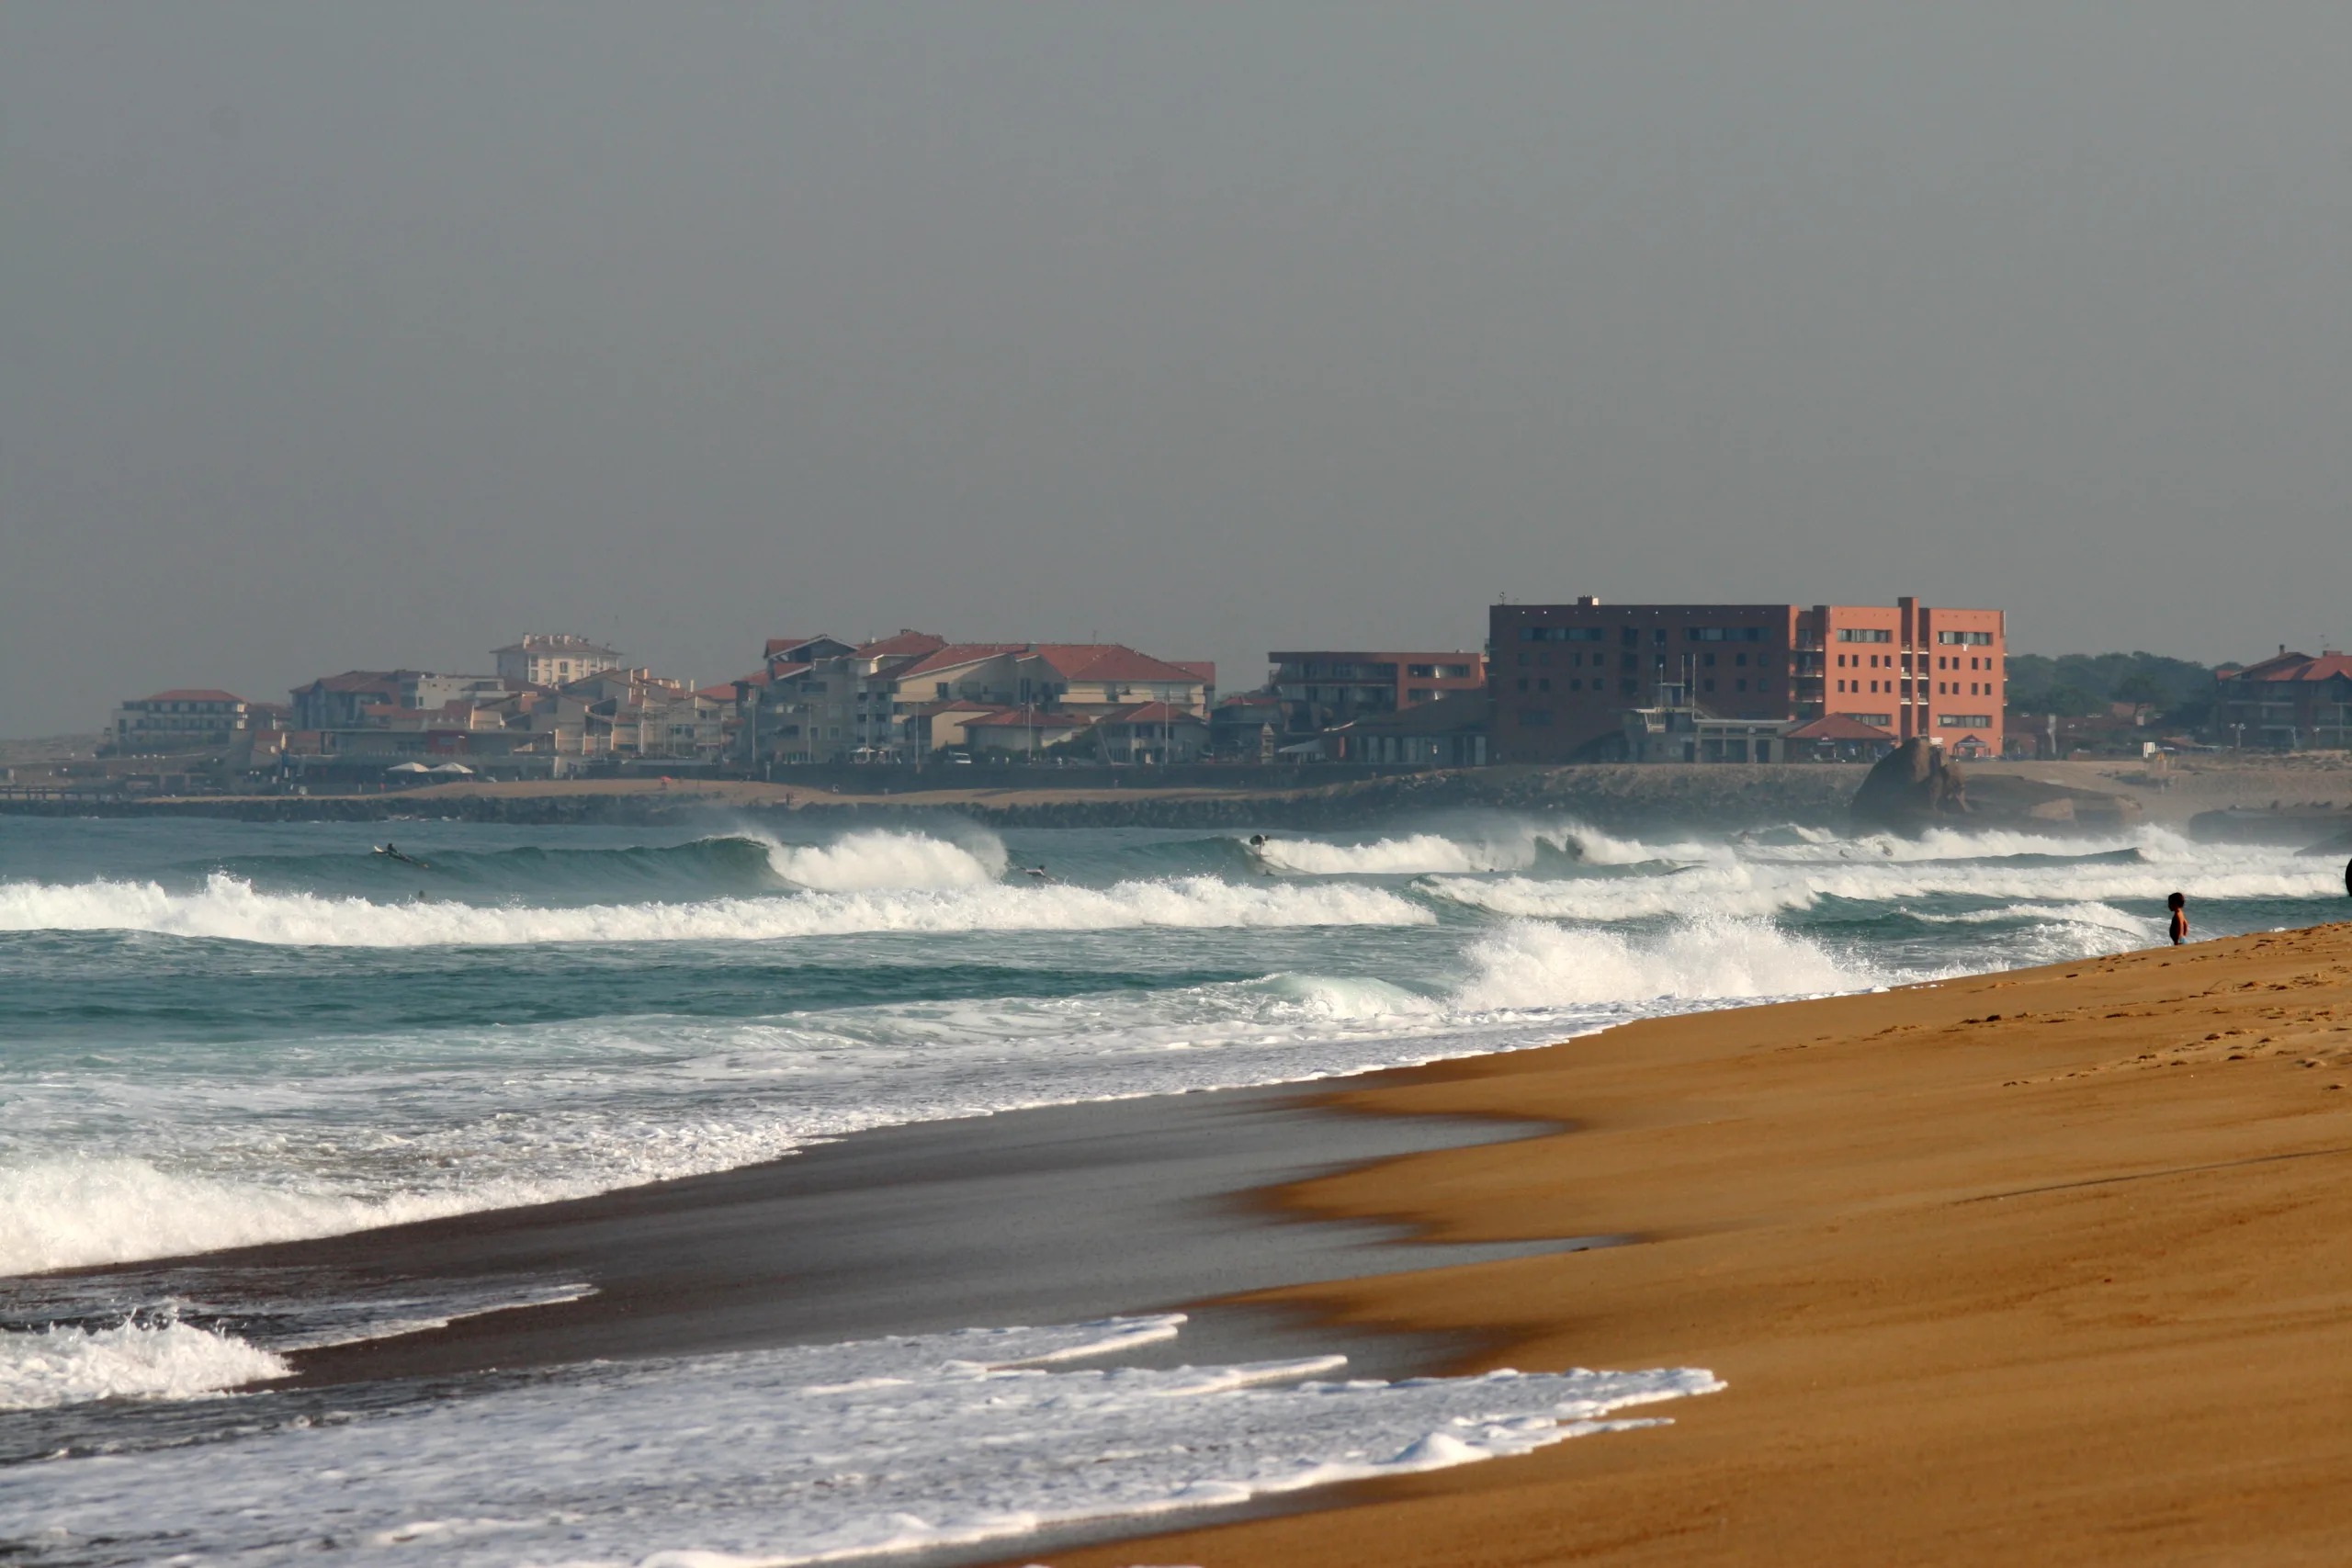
368	336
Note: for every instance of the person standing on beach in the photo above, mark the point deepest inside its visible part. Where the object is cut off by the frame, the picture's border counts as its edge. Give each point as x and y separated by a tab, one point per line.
2179	908
2347	879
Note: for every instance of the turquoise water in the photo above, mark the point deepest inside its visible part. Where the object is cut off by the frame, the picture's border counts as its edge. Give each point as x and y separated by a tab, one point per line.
217	1032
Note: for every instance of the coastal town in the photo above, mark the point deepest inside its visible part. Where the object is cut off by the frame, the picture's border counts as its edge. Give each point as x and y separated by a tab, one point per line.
1582	680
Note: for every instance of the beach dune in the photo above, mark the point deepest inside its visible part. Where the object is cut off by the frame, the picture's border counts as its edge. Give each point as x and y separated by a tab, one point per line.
2046	1267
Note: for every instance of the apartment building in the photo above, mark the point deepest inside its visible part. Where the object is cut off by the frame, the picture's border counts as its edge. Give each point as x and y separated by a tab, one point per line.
550	659
182	719
1564	676
1323	689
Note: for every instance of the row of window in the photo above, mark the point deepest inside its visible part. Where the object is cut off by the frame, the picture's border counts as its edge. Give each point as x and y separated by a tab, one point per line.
1966	639
1634	660
1964	720
1630	635
1438	672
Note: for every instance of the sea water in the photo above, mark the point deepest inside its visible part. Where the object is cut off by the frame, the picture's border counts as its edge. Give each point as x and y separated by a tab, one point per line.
219	1034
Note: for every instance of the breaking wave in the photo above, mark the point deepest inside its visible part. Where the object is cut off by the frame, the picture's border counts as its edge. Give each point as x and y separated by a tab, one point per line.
1532	964
867	862
232	909
66	1364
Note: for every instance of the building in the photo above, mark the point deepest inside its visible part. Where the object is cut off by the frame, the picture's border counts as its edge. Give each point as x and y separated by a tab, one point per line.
550	659
1089	679
342	702
1836	739
184	719
1564	676
2288	702
1325	689
1151	733
1450	732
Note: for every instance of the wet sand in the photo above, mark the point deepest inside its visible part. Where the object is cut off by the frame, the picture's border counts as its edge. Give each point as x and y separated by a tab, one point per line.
2052	1267
1059	1214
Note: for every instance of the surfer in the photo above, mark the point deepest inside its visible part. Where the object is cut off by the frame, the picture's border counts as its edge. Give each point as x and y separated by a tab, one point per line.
393	850
1037	870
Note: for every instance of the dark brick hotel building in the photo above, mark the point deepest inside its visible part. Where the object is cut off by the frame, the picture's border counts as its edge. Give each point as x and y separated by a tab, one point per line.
1564	675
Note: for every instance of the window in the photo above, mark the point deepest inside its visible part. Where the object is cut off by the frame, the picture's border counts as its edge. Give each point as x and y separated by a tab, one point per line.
1867	634
1740	685
1707	684
1708	660
1535	719
1625	686
1454	671
1723	634
1545	684
1740	660
1575	685
1522	683
1968	639
1554	634
1544	659
1421	694
1420	671
1882	719
1963	721
1525	659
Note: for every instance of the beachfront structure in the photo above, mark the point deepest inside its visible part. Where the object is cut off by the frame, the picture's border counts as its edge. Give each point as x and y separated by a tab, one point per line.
184	719
550	659
1325	688
2287	701
1085	680
1565	676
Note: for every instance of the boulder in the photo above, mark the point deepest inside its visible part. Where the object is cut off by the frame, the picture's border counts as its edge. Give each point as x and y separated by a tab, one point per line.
1913	787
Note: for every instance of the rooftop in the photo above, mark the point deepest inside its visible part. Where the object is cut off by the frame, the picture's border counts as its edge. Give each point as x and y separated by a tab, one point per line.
557	643
192	695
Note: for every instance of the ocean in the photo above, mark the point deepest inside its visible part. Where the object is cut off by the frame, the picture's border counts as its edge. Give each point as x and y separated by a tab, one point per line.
217	1035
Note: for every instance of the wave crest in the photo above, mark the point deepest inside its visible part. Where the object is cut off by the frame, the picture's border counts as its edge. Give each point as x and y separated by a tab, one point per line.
232	909
43	1367
1530	964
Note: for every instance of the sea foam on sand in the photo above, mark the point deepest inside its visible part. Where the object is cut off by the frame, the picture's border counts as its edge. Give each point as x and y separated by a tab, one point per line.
801	1455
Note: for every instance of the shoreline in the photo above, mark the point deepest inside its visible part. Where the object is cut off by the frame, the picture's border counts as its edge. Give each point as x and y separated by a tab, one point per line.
1056	1213
2037	1267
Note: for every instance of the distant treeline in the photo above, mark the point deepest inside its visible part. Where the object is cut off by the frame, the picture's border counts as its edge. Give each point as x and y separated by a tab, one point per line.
2076	683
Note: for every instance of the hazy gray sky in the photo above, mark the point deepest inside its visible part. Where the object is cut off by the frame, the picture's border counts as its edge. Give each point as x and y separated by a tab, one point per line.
338	335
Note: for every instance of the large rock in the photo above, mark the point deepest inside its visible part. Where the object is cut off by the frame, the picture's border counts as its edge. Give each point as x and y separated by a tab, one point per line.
1913	787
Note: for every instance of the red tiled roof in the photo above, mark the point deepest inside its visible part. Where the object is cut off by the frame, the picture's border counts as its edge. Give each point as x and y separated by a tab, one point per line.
907	641
1838	726
955	655
192	695
2297	667
1205	668
1109	662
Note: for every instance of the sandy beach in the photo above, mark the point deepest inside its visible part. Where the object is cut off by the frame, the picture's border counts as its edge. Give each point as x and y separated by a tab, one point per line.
2048	1267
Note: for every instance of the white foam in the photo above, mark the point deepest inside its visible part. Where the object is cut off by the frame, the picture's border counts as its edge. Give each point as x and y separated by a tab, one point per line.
1529	963
1760	886
64	1213
1393	857
66	1365
808	1454
230	908
866	862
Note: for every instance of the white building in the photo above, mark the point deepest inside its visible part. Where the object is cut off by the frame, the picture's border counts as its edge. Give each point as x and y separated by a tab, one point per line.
551	659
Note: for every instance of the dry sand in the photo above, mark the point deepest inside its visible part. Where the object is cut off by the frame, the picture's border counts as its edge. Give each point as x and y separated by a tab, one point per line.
2070	1284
